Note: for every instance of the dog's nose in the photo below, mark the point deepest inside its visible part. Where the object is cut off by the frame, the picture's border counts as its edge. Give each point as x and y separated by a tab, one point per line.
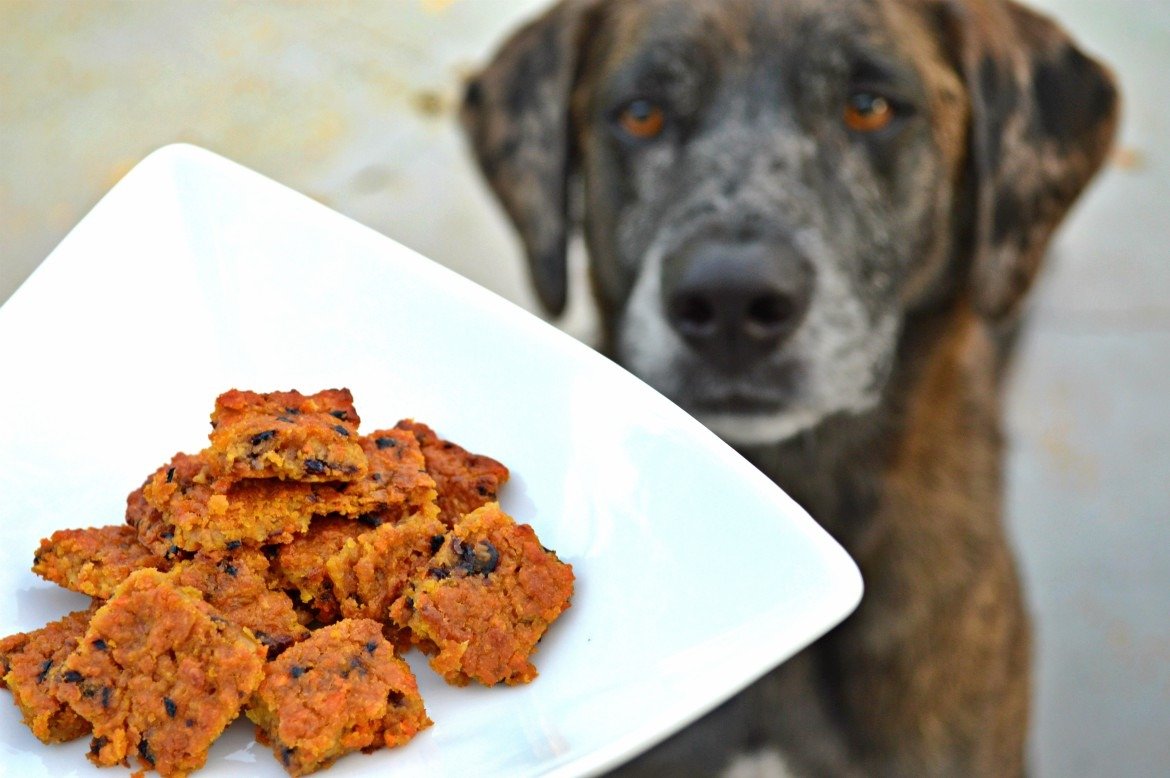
734	302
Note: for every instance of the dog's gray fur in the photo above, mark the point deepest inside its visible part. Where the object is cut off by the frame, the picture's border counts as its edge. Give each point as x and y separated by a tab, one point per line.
879	411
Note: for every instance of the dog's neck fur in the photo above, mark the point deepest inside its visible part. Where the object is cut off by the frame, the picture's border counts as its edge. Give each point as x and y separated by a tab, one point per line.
838	470
913	490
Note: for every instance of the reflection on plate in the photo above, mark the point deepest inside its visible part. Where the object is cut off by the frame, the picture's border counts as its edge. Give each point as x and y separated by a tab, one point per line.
695	574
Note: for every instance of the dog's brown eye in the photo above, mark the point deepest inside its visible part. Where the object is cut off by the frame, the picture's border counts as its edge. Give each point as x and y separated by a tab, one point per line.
642	119
867	112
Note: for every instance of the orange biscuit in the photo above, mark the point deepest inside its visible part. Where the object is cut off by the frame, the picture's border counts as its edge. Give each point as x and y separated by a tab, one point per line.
93	561
397	483
341	690
465	481
286	435
237	586
137	508
9	647
191	510
491	592
194	511
371	570
299	566
159	674
31	665
147	521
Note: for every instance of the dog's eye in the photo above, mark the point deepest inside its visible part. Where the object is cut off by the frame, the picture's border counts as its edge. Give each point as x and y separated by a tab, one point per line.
642	119
868	112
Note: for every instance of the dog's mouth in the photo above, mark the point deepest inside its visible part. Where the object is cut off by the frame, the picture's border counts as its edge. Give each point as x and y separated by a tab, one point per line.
710	396
770	388
737	404
750	409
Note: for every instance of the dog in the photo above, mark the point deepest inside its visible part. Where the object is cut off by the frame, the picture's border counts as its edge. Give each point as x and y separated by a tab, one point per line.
813	225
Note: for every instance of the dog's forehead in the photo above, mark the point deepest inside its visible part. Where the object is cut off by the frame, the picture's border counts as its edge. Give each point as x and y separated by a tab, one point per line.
675	44
754	30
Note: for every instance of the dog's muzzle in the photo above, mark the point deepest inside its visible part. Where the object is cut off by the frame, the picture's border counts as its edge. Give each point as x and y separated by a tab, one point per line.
735	302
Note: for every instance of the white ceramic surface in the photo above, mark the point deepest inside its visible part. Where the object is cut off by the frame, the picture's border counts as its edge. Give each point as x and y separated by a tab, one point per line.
695	574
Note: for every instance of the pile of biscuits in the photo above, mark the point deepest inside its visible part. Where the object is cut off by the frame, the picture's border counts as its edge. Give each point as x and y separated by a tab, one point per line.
281	573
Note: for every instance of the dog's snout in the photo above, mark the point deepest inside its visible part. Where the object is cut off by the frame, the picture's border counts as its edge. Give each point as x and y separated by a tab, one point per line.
734	302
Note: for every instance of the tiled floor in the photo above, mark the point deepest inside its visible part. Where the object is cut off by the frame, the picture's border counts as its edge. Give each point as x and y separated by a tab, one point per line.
354	106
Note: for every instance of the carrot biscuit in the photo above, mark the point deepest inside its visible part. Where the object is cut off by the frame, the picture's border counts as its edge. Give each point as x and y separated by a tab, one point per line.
154	531
341	690
194	511
93	561
147	521
31	663
299	566
137	508
286	435
397	483
9	647
189	509
159	674
371	570
237	586
491	592
465	481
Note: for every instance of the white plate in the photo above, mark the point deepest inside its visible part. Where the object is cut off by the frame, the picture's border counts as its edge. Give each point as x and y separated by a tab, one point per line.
695	574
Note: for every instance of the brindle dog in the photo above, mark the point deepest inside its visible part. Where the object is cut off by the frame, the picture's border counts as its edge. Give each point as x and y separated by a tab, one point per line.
811	223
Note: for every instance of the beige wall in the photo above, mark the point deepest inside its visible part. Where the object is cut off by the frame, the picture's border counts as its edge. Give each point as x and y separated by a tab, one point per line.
351	103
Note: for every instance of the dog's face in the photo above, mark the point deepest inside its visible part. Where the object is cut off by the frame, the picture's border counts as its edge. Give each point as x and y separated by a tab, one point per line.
770	186
761	180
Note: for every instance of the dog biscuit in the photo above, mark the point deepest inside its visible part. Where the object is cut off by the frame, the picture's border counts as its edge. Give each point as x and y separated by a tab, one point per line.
159	675
371	570
465	481
237	586
93	561
342	690
31	665
299	566
194	511
286	435
489	595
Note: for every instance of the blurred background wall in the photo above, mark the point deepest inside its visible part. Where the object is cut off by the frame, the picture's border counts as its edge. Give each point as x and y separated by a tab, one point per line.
353	104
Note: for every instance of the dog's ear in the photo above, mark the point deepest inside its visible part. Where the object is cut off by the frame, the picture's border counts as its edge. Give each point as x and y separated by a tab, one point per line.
1043	116
516	114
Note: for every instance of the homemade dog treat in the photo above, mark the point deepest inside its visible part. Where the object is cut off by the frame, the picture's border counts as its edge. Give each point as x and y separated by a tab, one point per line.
287	435
196	511
159	674
371	570
187	508
237	586
465	480
9	646
489	595
398	483
92	561
300	565
147	521
341	690
31	665
246	577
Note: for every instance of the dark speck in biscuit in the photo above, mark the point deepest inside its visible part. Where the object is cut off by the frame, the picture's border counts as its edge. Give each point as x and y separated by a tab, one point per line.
262	437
